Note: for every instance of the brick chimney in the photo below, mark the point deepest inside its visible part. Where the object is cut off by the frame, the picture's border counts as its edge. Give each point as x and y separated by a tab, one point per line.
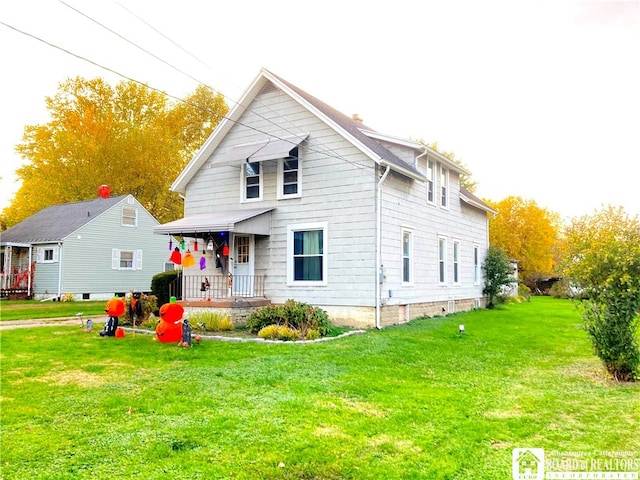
104	191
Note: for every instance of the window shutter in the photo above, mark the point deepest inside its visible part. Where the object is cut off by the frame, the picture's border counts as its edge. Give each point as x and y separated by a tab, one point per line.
55	254
115	258
138	259
40	254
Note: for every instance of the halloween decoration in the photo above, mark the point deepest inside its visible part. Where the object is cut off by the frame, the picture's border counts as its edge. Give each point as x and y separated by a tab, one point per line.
203	261
188	260
176	256
114	308
170	244
186	333
169	329
195	245
135	307
119	332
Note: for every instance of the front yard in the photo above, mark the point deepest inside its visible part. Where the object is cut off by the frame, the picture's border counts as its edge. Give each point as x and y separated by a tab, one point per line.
412	401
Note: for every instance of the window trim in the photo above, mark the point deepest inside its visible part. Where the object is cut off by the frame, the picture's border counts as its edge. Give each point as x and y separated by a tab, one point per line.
281	195
476	264
304	227
42	253
116	259
431	181
409	256
444	187
134	217
457	251
442	259
243	183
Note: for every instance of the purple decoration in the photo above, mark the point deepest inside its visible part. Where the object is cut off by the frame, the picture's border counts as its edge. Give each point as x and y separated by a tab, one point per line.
203	262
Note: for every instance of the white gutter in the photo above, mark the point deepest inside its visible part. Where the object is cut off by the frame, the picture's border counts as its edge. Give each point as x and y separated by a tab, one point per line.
415	160
379	242
59	271
29	292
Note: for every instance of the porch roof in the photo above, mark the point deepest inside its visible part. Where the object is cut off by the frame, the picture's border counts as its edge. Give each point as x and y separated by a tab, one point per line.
256	221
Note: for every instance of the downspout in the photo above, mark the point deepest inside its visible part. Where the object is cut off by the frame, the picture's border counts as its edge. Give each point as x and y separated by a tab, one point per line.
59	271
29	292
379	242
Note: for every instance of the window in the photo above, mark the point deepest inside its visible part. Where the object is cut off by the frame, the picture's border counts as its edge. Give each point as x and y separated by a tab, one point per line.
289	176
307	254
126	259
407	254
252	181
47	255
129	217
476	264
430	181
444	187
442	259
456	261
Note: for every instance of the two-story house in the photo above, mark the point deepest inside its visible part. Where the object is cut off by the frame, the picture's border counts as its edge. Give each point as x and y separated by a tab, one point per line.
290	199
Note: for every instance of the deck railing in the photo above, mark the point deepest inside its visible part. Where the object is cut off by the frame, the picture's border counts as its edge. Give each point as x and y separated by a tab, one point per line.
211	287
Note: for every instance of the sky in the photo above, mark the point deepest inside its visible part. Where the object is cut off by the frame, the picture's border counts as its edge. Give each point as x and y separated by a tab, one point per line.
539	99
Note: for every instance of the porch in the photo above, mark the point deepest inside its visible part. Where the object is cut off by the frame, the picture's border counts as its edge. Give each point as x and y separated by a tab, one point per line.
216	287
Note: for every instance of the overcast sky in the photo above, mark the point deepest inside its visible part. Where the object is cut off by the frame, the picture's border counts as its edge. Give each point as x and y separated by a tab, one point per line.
539	99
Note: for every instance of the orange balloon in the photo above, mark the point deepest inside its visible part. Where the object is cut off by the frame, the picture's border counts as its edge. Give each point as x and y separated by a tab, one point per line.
170	327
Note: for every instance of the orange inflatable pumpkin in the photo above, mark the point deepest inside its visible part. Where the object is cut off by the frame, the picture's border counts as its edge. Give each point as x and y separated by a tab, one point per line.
114	307
170	327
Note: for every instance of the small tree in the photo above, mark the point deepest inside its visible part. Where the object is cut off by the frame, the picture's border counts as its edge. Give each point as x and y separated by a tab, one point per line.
498	273
602	259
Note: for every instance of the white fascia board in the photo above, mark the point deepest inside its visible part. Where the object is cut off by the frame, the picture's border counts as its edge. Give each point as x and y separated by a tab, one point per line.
388	138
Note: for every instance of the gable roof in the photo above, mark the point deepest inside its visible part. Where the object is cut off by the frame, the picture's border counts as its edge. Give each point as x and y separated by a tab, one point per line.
359	135
470	199
54	223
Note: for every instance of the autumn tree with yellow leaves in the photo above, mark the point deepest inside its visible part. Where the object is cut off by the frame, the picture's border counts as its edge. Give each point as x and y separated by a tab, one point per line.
527	233
129	137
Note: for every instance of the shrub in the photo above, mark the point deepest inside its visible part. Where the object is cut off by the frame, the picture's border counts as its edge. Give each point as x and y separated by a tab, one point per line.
212	320
498	273
524	292
160	285
312	334
296	315
67	297
279	332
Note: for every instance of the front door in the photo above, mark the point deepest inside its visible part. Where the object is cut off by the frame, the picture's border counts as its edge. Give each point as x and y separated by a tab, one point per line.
243	265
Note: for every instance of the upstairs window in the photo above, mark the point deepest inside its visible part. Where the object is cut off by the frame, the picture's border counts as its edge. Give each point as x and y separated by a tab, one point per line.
431	181
129	216
289	176
252	181
444	187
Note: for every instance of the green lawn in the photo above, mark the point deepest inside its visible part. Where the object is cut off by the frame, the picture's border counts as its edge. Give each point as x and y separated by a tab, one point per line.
414	401
33	309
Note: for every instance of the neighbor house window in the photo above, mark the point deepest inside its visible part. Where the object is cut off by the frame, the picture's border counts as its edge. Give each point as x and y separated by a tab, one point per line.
430	181
252	181
476	264
289	176
407	254
47	255
456	261
444	187
306	257
442	259
126	259
129	216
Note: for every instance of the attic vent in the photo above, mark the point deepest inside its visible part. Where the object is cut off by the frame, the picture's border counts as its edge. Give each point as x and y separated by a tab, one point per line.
269	88
130	200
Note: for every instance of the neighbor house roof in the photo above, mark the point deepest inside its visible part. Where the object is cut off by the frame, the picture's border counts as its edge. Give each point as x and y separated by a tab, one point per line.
354	131
55	223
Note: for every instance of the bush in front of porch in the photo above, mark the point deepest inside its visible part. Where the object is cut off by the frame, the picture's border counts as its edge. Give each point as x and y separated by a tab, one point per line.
294	315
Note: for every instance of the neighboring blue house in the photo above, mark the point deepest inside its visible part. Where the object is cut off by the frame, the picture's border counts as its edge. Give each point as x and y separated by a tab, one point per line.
299	201
91	250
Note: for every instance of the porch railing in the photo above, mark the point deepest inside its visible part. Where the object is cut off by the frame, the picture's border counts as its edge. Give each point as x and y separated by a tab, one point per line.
204	287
